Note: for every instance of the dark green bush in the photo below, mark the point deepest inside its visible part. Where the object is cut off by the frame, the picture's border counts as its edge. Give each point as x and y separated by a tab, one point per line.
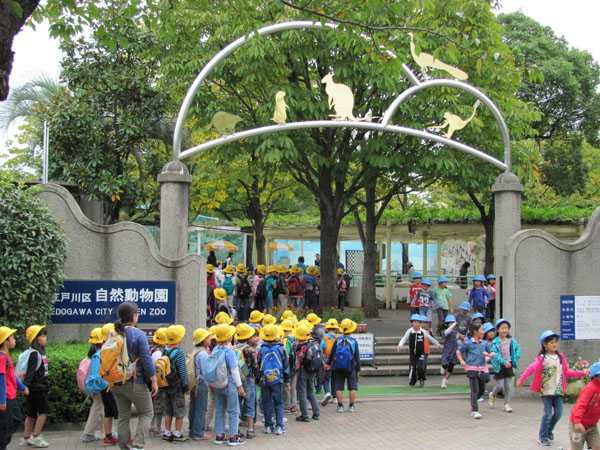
32	254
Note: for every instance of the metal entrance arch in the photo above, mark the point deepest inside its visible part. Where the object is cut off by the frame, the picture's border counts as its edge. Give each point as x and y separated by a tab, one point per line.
384	126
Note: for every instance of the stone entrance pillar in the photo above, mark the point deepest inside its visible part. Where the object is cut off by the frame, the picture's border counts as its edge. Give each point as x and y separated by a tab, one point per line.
507	221
175	180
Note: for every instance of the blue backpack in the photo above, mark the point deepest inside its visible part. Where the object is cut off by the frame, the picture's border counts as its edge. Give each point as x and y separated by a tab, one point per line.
271	366
228	285
94	383
343	358
215	371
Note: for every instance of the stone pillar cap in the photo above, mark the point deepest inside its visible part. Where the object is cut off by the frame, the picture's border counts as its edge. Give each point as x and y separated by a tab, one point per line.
175	172
507	182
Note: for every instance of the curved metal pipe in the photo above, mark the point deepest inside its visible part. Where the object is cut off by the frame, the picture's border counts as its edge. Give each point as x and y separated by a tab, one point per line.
341	124
224	53
467	88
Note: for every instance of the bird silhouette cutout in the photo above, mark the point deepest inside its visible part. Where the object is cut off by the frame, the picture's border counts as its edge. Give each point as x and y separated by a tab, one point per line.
341	98
223	122
454	123
280	113
426	61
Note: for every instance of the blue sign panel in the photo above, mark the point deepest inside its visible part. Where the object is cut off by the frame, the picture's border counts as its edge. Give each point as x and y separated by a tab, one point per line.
97	301
567	317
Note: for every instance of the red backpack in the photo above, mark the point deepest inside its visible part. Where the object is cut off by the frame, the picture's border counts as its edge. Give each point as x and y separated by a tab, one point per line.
294	288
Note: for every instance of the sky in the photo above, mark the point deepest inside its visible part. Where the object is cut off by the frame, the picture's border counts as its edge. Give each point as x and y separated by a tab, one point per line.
576	20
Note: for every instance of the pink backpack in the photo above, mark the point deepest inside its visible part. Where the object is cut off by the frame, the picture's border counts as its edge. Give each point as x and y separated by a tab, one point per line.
82	373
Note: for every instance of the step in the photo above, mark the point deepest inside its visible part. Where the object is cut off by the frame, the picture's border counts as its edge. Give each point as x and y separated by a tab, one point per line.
401	370
399	360
387	349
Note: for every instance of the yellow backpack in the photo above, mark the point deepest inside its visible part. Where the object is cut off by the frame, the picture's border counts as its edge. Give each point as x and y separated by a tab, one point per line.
163	370
115	366
190	364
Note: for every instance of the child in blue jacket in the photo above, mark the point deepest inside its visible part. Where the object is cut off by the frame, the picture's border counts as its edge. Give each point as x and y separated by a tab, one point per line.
506	359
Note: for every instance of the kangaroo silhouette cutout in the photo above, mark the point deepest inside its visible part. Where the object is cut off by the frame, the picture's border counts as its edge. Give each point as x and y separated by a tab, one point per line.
426	61
223	122
454	123
280	113
341	98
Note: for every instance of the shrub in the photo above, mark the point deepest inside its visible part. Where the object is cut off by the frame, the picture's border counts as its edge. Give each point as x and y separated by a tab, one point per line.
32	254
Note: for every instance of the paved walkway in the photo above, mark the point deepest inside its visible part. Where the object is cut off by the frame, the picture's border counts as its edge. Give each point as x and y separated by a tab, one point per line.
389	424
390	322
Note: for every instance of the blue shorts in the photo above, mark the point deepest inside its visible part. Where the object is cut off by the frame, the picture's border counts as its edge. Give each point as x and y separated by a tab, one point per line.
343	379
248	403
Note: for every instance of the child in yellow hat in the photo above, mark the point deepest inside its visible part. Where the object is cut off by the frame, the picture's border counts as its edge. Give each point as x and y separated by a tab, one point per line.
199	394
332	329
159	341
9	385
36	380
259	293
256	318
247	346
274	372
289	388
344	360
306	352
174	395
270	288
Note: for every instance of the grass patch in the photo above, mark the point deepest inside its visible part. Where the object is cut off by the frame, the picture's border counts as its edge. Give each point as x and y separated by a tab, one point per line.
412	391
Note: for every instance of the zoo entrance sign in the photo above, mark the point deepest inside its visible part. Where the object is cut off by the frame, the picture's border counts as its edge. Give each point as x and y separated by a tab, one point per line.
96	301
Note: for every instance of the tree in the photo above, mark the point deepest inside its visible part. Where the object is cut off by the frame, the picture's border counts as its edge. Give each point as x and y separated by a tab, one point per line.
13	15
32	255
564	168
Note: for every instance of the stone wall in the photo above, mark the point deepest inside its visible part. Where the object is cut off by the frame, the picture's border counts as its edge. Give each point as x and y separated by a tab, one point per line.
123	251
539	269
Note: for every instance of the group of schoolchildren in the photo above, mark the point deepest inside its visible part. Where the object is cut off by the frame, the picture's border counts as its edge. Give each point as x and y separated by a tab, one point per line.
487	351
237	291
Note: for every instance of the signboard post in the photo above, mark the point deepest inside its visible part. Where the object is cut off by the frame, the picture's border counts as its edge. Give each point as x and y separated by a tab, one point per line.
96	301
366	347
579	317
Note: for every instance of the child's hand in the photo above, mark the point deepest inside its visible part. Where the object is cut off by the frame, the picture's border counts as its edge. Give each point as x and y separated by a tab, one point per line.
26	392
241	391
2	408
508	365
579	427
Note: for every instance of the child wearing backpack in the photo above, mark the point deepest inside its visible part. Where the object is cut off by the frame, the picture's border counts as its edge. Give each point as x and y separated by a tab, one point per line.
228	284
331	333
289	387
199	393
274	371
10	414
295	285
174	394
259	293
256	318
450	347
345	363
507	355
159	340
32	368
104	406
247	339
222	373
243	292
270	288
305	356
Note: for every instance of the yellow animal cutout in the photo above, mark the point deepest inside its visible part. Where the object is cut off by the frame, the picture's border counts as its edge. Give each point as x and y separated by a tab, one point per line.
223	123
341	98
426	61
280	113
455	123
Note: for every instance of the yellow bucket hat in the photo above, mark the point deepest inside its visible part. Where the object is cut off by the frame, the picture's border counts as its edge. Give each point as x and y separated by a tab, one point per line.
261	269
305	322
224	332
287	325
5	333
348	326
332	324
269	333
32	332
256	316
340	271
160	336
295	269
220	294
228	270
243	332
287	314
96	336
212	329
313	319
223	317
175	334
241	268
107	329
272	269
282	269
303	332
268	319
200	335
210	268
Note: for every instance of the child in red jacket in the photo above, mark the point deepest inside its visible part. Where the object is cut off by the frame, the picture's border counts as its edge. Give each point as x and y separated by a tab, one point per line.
583	426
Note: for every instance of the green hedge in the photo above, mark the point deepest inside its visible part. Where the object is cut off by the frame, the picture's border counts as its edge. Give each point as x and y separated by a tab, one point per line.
67	403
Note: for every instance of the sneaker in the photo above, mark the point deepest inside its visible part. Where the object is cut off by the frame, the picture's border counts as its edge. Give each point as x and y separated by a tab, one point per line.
38	442
492	400
340	408
421	383
220	439
442	371
112	440
326	399
178	437
167	436
507	408
302	419
250	434
236	440
444	383
480	399
476	415
544	442
279	431
86	438
352	409
316	417
269	430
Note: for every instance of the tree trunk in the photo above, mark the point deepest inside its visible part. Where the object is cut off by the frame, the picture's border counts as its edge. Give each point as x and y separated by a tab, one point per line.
330	229
488	225
368	294
10	25
405	259
260	241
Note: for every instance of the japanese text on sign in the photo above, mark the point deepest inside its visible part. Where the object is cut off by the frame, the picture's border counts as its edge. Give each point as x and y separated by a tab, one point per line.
579	317
366	346
92	301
